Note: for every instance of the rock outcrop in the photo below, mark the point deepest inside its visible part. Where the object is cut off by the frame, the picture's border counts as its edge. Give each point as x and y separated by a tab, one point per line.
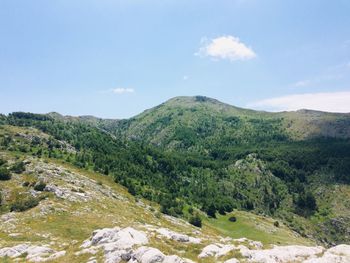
31	253
116	243
216	250
278	254
125	245
177	236
338	254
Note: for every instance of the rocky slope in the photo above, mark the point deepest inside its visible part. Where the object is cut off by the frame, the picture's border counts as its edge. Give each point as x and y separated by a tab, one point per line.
85	217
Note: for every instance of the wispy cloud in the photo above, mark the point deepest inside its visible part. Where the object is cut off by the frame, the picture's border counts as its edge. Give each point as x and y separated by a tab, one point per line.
122	90
326	101
317	80
225	47
302	83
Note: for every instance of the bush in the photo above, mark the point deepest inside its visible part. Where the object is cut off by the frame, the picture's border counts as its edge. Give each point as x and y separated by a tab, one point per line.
23	204
276	224
195	220
4	174
211	210
2	161
222	211
232	219
40	186
26	184
18	167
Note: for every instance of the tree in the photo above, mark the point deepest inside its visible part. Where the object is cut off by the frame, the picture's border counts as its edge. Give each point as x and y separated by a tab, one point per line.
211	211
195	220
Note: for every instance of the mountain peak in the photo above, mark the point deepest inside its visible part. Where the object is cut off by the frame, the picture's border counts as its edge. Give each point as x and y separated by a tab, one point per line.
194	99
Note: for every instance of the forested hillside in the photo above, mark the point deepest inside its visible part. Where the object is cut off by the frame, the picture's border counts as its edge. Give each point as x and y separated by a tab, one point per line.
197	153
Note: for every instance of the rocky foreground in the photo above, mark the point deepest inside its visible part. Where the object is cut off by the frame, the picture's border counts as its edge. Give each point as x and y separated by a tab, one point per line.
131	245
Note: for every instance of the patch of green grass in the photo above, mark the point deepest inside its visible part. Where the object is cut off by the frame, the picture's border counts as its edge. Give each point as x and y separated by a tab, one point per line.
256	228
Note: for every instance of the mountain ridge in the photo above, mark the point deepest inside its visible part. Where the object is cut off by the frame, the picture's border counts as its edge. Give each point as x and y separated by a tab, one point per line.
193	98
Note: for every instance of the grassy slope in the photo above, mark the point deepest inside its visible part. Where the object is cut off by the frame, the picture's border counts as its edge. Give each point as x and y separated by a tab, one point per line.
256	227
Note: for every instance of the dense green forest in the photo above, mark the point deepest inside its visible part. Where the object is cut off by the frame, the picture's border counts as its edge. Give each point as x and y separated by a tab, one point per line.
214	164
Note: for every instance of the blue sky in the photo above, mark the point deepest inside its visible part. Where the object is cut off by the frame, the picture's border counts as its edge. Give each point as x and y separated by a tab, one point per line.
114	59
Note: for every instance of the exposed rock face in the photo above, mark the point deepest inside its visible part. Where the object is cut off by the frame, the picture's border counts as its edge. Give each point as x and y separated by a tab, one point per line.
152	255
31	253
216	250
66	193
177	236
232	260
120	238
125	245
148	255
280	254
338	254
250	243
117	243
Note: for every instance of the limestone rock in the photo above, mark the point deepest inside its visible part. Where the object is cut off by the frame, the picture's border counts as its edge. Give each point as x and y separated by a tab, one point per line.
217	250
177	236
33	253
232	260
173	259
148	255
280	254
116	243
116	237
337	254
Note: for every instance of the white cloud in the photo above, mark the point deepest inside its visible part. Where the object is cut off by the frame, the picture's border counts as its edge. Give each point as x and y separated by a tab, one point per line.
122	90
327	101
225	47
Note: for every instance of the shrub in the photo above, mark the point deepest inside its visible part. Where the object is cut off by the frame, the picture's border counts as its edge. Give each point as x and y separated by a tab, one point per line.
23	204
222	211
232	219
4	174
195	220
2	161
18	167
26	184
276	224
211	210
40	186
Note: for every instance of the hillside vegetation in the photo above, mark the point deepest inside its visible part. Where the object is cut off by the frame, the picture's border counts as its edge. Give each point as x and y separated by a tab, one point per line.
195	155
50	208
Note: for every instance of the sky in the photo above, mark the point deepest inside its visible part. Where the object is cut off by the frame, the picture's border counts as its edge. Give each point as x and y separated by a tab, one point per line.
114	59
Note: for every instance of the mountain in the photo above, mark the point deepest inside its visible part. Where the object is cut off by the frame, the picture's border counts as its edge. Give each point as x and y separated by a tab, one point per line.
185	122
198	154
